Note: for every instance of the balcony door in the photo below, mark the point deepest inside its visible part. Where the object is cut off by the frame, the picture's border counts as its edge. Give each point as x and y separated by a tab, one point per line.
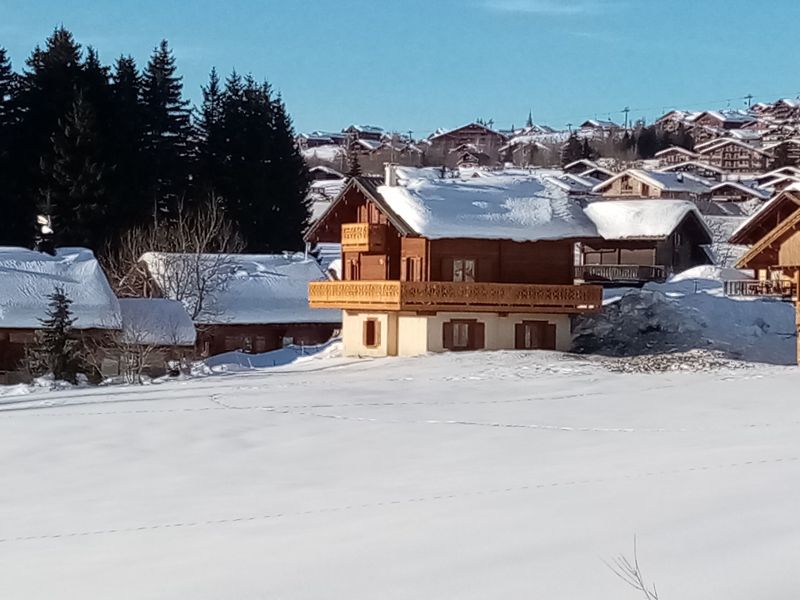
464	270
535	335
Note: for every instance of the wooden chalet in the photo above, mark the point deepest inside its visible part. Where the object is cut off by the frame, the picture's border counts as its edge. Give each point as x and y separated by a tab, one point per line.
643	240
366	132
787	150
773	235
734	191
675	155
722	119
252	303
579	166
638	183
443	265
442	146
735	156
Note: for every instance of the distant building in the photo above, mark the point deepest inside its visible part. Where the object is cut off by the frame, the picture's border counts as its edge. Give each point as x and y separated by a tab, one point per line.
446	148
637	183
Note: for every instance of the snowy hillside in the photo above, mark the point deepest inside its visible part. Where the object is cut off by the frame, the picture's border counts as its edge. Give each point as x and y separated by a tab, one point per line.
469	476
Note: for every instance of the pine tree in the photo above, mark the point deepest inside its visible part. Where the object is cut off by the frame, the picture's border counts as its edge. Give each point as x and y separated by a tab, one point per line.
73	194
572	150
647	143
529	122
16	225
57	350
167	132
587	151
211	150
353	164
129	195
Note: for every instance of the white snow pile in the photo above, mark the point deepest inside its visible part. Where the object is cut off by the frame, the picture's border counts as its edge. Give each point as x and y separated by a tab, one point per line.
240	361
495	206
640	219
690	312
28	278
247	289
156	321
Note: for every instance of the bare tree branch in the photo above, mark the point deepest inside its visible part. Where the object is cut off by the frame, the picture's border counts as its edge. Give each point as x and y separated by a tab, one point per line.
631	573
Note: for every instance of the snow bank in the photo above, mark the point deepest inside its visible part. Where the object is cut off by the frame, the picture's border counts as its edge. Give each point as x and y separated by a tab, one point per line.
237	361
27	278
690	312
494	206
156	321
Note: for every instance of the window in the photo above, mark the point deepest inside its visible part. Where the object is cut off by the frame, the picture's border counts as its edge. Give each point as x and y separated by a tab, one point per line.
464	269
463	334
645	190
626	187
535	335
372	331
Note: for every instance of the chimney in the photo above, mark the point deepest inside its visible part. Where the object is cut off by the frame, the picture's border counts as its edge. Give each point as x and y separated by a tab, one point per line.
680	177
391	175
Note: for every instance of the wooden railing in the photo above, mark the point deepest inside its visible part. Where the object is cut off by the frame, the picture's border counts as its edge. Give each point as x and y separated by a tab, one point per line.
450	296
620	273
768	288
363	237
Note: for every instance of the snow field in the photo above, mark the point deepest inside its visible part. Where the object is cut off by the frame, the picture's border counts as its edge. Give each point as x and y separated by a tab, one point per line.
451	476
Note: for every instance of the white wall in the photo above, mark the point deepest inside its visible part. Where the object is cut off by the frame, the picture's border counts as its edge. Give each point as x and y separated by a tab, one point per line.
353	333
409	334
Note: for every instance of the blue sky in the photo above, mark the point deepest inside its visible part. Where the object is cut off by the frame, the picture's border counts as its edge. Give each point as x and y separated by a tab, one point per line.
422	64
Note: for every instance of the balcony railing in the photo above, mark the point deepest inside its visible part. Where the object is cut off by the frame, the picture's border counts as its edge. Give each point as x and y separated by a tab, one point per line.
620	273
459	297
363	237
767	288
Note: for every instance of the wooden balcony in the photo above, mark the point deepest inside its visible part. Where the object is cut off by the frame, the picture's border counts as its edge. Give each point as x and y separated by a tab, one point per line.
437	296
363	237
782	289
620	274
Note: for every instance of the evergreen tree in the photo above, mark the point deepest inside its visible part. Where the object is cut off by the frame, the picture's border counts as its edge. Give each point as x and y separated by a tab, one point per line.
129	194
57	350
683	138
572	150
529	122
647	143
167	132
587	151
353	164
16	226
73	193
211	151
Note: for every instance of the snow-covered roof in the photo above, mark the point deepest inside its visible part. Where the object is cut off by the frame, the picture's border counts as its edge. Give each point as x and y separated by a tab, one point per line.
640	219
706	149
250	289
745	189
574	183
519	207
366	129
665	181
600	123
693	163
672	149
329	152
370	144
326	170
442	132
28	277
156	321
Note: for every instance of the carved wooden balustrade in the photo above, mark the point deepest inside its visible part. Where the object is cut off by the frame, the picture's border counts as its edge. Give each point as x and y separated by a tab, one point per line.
363	237
620	273
770	288
450	296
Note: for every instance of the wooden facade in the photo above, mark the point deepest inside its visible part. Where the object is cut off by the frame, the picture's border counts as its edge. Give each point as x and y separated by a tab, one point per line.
675	155
259	337
389	270
736	157
774	255
442	148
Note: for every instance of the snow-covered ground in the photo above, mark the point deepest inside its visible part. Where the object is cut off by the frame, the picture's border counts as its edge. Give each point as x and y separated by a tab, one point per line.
476	475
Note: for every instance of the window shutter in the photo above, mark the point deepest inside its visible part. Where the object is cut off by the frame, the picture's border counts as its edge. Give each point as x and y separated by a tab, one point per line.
550	337
447	335
478	336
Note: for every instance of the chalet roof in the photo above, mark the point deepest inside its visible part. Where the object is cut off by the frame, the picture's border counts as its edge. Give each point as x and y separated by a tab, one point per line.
665	181
574	183
156	321
28	278
695	163
727	116
757	226
788	226
778	173
443	132
741	187
253	289
599	123
643	219
496	206
679	149
596	169
582	162
326	170
730	141
790	141
366	129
